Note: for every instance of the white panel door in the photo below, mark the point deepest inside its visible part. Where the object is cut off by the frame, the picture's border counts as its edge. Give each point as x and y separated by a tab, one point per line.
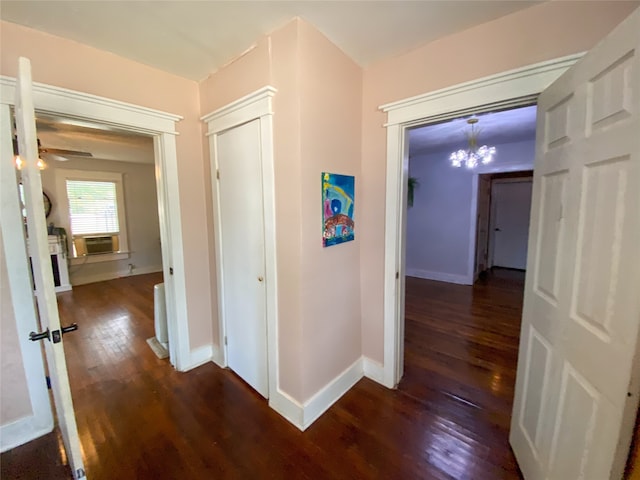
243	259
42	272
511	205
575	400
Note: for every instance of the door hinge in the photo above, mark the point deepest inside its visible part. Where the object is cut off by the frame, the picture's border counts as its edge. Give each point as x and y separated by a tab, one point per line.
225	339
218	174
397	275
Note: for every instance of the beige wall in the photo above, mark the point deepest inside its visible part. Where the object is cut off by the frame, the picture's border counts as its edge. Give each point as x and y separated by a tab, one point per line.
64	63
15	402
543	32
141	206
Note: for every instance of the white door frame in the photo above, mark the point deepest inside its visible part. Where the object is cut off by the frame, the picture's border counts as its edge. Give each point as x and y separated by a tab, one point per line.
40	421
255	106
161	126
505	90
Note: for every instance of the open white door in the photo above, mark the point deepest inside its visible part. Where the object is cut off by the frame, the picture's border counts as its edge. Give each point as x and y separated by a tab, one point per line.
576	397
42	272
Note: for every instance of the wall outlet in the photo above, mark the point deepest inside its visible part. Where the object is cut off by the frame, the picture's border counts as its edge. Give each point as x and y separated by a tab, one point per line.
131	267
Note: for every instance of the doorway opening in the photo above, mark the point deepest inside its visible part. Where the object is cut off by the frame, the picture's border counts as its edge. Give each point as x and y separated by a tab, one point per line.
104	217
466	242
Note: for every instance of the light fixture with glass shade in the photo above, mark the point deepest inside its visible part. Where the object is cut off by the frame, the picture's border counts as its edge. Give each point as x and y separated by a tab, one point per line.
473	155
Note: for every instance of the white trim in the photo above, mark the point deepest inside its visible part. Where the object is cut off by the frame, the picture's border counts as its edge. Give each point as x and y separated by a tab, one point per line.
105	276
217	356
97	258
504	89
303	415
62	175
439	276
373	370
21	431
17	261
200	356
170	216
331	393
257	105
57	100
245	109
288	407
161	126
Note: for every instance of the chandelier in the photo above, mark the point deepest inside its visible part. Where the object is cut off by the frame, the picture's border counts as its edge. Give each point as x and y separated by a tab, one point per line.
473	154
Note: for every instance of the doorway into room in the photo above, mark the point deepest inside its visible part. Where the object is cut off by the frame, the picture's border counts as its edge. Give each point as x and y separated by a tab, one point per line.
465	280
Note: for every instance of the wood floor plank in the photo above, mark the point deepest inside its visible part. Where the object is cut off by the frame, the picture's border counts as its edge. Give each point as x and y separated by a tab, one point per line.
138	418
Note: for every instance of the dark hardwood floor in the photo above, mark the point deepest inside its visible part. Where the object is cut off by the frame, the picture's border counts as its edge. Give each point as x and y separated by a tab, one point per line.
139	419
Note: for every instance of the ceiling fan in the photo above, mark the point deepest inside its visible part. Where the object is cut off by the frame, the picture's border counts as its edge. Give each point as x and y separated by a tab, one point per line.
59	154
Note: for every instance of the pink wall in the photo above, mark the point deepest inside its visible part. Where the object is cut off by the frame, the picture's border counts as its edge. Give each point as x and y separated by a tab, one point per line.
330	110
543	32
284	49
64	63
316	128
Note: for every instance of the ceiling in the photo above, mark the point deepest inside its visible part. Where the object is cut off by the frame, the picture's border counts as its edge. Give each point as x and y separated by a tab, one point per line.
507	126
193	39
104	143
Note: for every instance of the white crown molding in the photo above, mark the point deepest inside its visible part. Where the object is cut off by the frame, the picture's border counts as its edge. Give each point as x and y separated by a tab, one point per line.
247	108
525	80
75	104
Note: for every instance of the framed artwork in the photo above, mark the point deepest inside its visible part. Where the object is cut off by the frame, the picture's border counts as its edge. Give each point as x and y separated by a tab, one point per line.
337	208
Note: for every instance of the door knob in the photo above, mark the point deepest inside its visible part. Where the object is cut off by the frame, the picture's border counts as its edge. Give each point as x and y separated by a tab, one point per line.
69	328
260	279
54	336
34	337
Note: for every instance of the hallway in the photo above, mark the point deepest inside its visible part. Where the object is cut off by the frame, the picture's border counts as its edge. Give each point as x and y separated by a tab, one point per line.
140	419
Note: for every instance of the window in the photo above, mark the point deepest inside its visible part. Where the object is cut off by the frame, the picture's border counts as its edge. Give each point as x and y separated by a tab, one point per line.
95	214
93	207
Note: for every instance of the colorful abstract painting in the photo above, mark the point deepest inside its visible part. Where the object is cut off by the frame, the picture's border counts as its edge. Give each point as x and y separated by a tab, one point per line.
337	208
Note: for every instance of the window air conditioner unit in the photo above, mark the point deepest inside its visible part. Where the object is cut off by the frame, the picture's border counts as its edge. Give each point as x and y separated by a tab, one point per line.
96	245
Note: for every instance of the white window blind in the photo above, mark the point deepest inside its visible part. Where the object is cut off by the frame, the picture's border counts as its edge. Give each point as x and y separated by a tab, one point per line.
93	207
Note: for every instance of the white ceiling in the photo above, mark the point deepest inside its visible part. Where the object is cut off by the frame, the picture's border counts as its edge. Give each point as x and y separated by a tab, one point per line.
494	129
104	143
195	38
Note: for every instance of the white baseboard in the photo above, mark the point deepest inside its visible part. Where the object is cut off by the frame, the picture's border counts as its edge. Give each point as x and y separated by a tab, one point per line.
21	431
331	393
217	356
199	356
373	370
439	276
288	407
303	415
104	276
